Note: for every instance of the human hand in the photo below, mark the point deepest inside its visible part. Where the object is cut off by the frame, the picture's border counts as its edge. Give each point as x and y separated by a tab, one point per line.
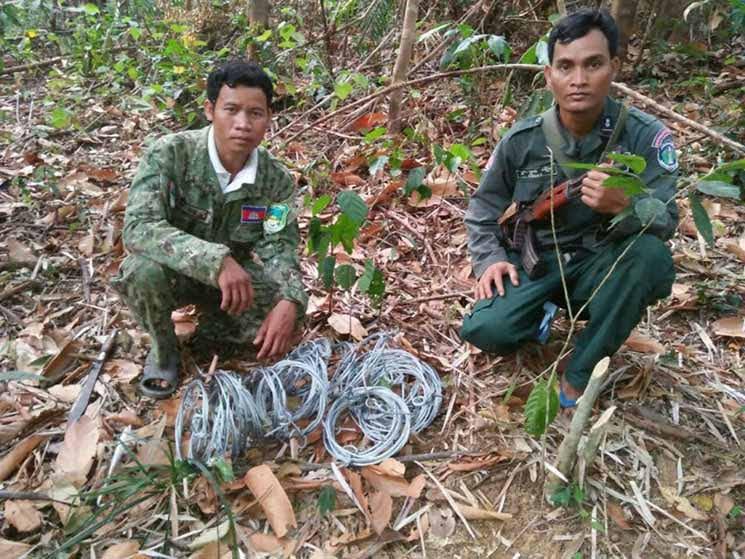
600	198
275	334
235	284
493	275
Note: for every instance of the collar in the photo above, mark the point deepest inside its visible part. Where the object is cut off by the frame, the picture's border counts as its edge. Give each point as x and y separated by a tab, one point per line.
247	175
600	132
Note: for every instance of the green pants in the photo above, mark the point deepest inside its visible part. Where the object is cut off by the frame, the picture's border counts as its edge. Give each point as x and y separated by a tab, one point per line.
152	291
643	275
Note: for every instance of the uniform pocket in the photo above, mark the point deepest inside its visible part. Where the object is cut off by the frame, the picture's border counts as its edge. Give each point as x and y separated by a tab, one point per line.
246	233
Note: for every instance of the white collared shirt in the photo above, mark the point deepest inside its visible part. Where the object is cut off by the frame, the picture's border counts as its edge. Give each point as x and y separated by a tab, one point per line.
247	175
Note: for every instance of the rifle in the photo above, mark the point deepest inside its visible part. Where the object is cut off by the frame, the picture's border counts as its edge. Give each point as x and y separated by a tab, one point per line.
517	223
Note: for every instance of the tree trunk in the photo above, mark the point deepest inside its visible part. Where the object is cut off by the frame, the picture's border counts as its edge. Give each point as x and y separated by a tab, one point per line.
401	69
624	12
258	13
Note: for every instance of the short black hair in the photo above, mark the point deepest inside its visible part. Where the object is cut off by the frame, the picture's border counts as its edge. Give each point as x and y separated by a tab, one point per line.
239	72
578	24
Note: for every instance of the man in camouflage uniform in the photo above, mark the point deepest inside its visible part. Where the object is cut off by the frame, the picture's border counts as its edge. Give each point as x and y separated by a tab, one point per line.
211	220
583	62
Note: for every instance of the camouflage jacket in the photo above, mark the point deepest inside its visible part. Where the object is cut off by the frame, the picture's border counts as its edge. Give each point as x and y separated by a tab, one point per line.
520	170
177	215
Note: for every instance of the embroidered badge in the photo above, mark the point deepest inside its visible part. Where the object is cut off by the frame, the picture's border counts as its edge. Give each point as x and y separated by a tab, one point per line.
253	214
276	218
490	162
607	125
660	138
666	156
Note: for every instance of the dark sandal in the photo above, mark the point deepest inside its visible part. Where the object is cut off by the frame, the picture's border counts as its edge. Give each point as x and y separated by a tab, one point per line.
160	381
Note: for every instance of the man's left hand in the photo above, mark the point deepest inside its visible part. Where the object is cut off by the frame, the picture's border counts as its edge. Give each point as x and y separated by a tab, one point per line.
602	199
275	334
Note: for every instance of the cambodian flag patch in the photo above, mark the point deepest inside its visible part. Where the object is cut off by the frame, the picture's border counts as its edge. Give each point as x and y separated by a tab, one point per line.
253	214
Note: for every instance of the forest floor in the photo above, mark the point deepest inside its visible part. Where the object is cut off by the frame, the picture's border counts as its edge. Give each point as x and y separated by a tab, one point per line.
669	481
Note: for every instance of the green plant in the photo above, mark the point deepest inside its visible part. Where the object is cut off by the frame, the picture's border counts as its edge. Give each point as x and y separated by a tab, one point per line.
343	230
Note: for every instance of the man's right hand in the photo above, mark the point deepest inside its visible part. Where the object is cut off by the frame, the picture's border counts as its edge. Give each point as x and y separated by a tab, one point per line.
235	284
493	275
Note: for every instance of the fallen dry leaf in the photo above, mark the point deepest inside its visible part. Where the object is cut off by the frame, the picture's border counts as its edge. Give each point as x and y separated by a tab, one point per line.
210	535
19	253
75	458
735	246
13	550
475	513
265	543
723	503
123	550
441	523
643	344
381	507
87	244
15	457
370	120
616	513
22	516
122	370
272	497
346	324
67	393
732	326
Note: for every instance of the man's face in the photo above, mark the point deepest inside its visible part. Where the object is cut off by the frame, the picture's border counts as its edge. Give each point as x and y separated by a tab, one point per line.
581	73
240	117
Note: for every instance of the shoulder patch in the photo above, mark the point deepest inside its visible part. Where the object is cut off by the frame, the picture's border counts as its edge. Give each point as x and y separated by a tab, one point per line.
666	155
662	136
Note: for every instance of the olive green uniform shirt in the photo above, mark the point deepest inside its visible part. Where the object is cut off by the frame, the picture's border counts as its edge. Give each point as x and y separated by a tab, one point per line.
520	169
178	216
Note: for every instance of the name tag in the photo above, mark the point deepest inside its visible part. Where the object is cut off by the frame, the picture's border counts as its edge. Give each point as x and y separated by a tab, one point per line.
253	214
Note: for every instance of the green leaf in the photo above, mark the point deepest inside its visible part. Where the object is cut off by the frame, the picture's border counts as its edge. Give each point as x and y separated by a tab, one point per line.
326	499
529	56
415	179
460	151
541	52
648	209
701	219
466	44
342	90
541	408
593	167
499	47
353	206
562	497
320	204
326	271
719	188
631	186
378	165
434	31
372	281
345	276
374	134
345	231
634	162
737	165
91	9
135	33
224	470
60	118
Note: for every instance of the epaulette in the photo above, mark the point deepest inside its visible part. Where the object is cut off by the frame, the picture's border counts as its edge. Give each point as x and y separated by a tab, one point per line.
641	116
526	124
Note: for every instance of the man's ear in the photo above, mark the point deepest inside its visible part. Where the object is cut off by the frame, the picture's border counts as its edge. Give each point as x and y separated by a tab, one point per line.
209	109
547	76
615	63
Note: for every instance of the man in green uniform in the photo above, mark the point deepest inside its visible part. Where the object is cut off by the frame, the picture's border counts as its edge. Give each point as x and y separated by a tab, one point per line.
211	220
583	63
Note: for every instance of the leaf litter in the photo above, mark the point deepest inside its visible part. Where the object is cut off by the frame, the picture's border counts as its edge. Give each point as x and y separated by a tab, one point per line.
684	363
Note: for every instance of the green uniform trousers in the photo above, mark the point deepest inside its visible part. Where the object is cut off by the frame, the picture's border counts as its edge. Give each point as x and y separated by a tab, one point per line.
642	276
152	291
